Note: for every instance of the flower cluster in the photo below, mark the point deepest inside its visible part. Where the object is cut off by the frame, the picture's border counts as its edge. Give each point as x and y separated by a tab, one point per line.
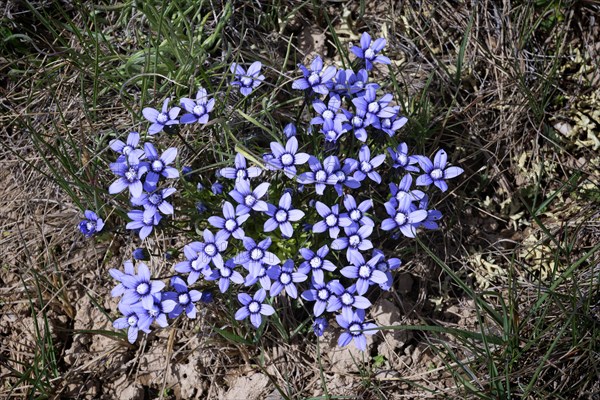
322	194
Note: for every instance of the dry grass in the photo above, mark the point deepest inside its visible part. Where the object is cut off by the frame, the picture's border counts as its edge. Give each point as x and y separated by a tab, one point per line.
512	88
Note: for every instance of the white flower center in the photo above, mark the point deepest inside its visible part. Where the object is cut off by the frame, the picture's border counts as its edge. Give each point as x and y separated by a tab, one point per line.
281	216
155	199
131	175
254	307
157	165
386	123
355	215
365	166
199	110
285	278
364	271
183	298
257	254
225	272
328	114
320	176
210	250
331	220
354	240
287	159
347	299
314	79
437	174
249	200
148	219
323	294
132	320
316	262
90	225
357	121
400	218
231	224
373	107
127	149
241	173
162	118
246	81
402	159
341	176
369	53
142	288
355	329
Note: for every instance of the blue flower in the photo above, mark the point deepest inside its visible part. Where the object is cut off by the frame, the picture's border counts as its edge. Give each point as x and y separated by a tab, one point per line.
355	215
92	224
403	189
253	307
156	312
346	299
359	122
217	188
316	263
282	216
316	79
401	158
124	149
437	172
372	108
343	174
355	240
159	165
130	175
195	263
139	287
261	277
256	255
250	199
210	250
284	277
201	207
405	217
318	175
118	276
368	51
161	119
247	81
140	254
181	300
391	124
355	329
289	130
231	221
198	111
333	129
358	82
329	112
319	326
240	172
331	219
320	292
288	157
365	273
155	201
386	266
130	320
432	215
366	166
145	221
225	275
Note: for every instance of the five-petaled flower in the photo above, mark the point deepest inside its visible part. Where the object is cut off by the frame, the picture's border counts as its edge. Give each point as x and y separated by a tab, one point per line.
368	51
438	171
198	110
161	119
254	307
247	81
